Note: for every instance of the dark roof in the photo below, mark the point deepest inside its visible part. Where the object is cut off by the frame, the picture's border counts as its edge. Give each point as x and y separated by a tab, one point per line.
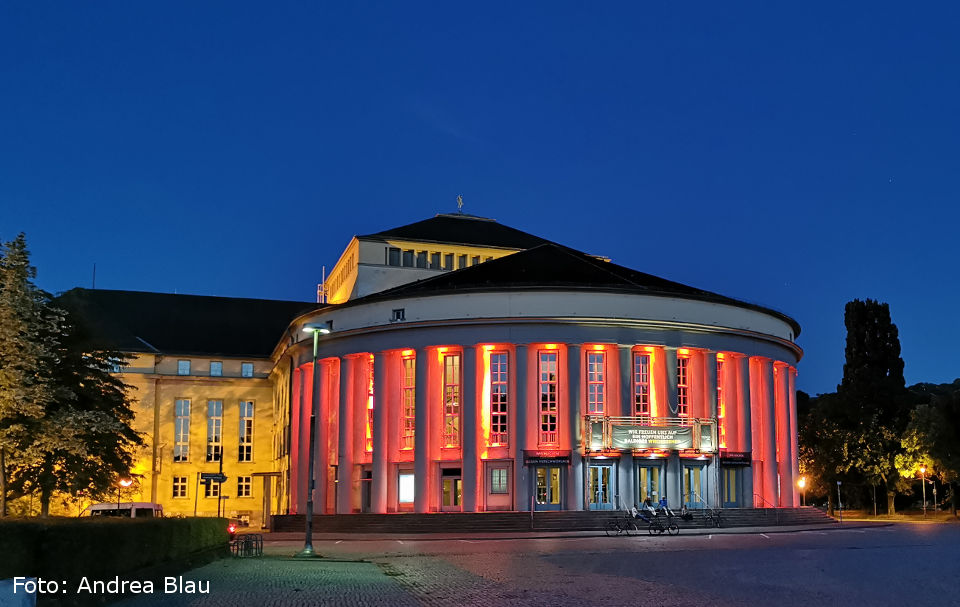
462	229
552	266
134	321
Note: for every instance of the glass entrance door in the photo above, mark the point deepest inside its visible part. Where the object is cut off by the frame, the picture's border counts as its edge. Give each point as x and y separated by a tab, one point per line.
693	486
730	487
649	485
451	492
548	488
600	488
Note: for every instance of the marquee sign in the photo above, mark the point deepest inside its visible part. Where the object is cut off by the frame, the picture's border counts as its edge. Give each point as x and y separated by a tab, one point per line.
546	457
652	437
735	458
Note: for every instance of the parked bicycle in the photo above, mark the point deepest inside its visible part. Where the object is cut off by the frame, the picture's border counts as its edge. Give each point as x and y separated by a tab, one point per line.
624	524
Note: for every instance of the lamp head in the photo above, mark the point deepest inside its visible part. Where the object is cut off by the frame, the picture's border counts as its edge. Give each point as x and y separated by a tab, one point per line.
923	469
802	482
125	482
322	329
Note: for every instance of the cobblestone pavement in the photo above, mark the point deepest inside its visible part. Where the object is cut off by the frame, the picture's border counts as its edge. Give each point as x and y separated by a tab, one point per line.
893	565
278	581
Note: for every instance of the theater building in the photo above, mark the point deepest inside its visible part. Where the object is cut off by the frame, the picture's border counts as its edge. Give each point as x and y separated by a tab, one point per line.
472	367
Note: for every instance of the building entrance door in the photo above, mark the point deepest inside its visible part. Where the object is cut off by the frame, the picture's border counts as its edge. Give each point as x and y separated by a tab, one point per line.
548	488
693	486
600	488
451	491
730	487
649	483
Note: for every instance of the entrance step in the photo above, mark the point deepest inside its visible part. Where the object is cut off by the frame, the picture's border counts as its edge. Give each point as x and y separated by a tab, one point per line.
501	522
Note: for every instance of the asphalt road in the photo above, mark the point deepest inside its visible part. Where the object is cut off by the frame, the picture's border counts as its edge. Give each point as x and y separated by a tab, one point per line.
902	564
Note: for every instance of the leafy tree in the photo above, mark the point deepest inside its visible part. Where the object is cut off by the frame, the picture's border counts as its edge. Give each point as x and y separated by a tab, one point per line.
28	346
64	419
932	439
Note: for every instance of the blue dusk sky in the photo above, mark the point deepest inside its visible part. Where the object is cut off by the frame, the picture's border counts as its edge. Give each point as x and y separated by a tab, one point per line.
796	156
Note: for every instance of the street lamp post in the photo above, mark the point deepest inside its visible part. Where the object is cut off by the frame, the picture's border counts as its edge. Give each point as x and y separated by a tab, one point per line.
923	483
307	551
123	482
802	483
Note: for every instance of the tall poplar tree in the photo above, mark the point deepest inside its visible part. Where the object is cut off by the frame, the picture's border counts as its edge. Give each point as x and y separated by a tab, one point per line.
876	405
29	331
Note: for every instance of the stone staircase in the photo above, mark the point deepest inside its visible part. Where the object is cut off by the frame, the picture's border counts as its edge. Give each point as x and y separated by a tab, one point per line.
502	522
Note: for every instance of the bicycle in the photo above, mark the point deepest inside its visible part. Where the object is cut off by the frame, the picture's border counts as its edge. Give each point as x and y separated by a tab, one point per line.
663	524
712	518
622	524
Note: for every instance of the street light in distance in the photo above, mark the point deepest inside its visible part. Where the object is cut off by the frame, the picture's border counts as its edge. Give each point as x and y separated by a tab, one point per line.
802	483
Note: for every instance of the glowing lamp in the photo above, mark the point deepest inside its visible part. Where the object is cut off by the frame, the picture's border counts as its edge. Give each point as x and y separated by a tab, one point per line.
407	353
683	351
923	469
321	329
125	482
802	482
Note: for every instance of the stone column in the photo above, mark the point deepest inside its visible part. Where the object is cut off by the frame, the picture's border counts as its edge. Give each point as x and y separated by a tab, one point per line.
320	453
521	480
421	436
744	428
345	447
306	413
713	465
670	362
769	433
626	471
671	469
378	494
794	452
575	475
468	417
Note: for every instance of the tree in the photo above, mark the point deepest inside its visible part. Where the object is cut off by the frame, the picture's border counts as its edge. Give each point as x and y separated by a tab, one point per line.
28	345
932	440
66	419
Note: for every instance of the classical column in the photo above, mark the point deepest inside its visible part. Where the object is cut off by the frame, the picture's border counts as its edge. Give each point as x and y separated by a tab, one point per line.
744	425
421	436
781	372
769	433
794	452
671	467
294	488
345	431
626	409
306	413
710	409
468	416
320	443
378	494
575	476
521	482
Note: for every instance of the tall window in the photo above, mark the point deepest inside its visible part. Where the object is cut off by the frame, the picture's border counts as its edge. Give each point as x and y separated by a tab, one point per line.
451	400
596	365
246	431
246	369
183	367
181	430
548	397
214	430
244	484
409	402
499	399
216	368
641	384
721	403
368	444
179	486
683	404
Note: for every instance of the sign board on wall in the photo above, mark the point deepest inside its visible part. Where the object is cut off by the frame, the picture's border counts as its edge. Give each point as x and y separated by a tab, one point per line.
735	458
651	437
545	457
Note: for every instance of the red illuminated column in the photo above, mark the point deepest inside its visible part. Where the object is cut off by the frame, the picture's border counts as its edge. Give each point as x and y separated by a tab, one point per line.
468	416
295	463
744	422
769	432
421	437
345	450
710	384
521	483
320	439
794	452
378	496
626	491
784	458
575	486
306	407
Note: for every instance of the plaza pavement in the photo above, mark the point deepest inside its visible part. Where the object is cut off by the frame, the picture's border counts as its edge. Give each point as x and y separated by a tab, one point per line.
861	563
